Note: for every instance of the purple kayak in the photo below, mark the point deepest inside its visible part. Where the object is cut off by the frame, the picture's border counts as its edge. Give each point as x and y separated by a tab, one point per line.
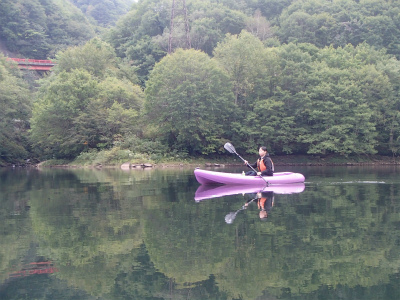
214	191
212	177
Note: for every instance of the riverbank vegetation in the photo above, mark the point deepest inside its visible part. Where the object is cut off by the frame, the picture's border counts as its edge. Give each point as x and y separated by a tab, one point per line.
303	78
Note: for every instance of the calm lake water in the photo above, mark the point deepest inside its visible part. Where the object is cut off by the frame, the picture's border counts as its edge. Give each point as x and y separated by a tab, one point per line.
157	234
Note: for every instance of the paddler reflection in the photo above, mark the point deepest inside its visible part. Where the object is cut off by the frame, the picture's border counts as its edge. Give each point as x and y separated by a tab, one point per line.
264	201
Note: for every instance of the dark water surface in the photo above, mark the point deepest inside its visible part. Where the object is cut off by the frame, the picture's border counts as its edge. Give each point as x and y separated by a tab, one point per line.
140	234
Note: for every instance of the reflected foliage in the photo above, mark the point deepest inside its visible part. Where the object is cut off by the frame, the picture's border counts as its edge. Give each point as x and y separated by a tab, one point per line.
86	229
15	233
192	252
140	235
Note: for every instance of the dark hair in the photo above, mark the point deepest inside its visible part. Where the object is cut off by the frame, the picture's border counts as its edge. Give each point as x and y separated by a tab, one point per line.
263	148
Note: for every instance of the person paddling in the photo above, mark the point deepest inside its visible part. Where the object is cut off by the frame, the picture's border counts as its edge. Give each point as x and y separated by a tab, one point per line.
265	166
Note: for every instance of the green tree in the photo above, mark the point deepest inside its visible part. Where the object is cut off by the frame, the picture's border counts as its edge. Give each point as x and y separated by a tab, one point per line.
59	102
340	119
387	108
112	116
142	35
189	99
104	12
243	57
211	22
277	118
133	33
75	112
87	103
39	28
323	101
14	114
96	57
271	9
339	23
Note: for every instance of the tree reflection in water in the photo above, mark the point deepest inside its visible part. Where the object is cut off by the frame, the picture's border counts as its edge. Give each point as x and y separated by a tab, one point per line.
141	235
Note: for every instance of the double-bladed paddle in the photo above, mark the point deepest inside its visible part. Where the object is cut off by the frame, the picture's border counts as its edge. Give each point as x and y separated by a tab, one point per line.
229	147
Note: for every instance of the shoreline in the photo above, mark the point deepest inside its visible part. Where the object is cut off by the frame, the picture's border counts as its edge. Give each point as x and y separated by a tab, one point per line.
295	160
278	161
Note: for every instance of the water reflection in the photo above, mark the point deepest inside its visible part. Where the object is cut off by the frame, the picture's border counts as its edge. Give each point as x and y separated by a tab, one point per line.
263	196
213	191
265	202
141	235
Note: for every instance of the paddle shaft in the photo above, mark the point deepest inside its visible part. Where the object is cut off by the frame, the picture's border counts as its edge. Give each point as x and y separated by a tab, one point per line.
229	218
251	167
231	149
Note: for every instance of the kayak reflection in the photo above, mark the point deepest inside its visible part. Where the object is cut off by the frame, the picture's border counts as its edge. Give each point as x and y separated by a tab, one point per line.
209	191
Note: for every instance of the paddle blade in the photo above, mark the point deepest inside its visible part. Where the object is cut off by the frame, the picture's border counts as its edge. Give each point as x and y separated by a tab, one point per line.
229	147
230	217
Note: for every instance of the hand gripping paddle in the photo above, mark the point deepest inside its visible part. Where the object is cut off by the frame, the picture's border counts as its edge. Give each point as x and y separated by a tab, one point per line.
229	147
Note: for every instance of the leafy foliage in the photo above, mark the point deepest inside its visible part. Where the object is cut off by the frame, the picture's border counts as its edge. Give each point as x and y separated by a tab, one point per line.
339	23
142	35
86	107
104	12
14	113
300	77
188	98
39	28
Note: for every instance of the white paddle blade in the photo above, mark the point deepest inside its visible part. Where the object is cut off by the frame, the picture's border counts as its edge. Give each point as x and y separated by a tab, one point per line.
229	147
230	217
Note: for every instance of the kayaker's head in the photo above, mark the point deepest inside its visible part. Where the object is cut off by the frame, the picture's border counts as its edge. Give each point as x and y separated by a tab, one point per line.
263	215
262	151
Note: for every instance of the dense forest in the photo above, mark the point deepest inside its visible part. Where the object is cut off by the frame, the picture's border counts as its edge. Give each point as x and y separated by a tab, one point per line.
299	76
